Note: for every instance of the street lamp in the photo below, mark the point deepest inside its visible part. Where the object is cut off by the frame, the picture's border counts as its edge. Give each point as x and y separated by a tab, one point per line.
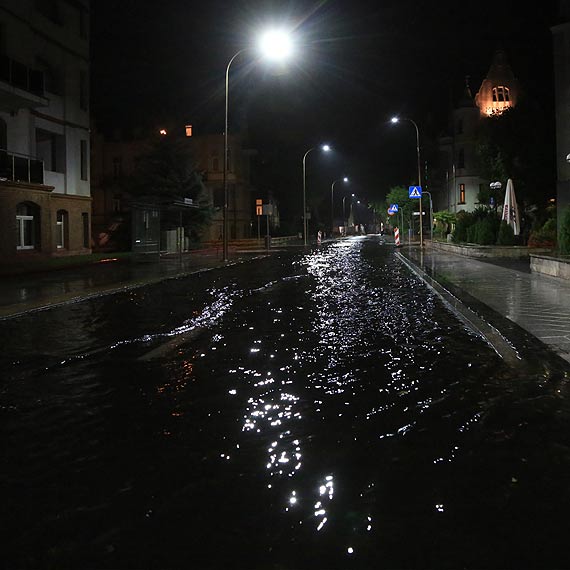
345	179
430	215
396	120
324	148
344	210
273	45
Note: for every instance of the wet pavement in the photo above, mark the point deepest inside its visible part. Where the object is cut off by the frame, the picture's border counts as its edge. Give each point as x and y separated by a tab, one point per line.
537	303
499	288
20	294
314	409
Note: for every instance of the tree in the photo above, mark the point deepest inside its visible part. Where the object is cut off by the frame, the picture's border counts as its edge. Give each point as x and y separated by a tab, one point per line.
166	173
518	144
406	206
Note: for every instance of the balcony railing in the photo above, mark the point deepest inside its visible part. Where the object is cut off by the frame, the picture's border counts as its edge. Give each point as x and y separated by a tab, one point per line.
21	168
21	76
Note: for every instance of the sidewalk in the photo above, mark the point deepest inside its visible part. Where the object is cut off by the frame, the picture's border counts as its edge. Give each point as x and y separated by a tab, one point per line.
537	303
32	291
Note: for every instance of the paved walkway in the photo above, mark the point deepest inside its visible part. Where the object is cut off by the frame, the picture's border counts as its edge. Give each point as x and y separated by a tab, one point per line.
33	291
537	303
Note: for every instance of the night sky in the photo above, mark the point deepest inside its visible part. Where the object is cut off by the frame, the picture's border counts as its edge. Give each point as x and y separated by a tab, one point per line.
357	64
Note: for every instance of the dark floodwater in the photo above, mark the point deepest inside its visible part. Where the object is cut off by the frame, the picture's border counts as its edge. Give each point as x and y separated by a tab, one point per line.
312	411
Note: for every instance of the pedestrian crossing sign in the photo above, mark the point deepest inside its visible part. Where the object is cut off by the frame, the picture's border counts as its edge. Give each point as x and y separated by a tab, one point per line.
415	192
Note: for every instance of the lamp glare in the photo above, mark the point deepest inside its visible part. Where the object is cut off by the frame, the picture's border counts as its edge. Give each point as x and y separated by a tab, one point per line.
276	45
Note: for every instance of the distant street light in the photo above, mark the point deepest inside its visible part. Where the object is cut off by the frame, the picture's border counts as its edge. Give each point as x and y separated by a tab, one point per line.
343	208
397	120
345	179
273	45
324	148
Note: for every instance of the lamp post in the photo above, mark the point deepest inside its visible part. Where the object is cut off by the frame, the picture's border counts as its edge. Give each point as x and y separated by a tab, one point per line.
430	215
324	148
276	45
344	210
396	120
345	179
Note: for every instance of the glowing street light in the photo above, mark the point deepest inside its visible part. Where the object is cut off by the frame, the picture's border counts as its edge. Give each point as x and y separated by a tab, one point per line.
273	45
324	148
344	209
345	180
397	120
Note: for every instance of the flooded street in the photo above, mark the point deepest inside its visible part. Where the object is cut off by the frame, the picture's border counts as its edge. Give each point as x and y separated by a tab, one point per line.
317	410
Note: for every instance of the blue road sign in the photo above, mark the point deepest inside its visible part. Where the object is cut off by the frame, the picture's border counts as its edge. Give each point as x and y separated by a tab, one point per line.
394	208
415	192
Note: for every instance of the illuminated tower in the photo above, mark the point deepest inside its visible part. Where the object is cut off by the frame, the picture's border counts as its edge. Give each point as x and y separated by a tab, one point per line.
500	89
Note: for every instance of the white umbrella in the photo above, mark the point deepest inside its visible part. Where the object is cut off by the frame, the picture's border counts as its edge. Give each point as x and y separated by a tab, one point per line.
510	209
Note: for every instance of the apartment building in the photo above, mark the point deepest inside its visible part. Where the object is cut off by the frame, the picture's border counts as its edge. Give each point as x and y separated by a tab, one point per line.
45	203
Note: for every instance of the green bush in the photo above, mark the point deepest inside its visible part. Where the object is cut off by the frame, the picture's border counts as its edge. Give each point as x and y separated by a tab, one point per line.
564	236
506	235
464	221
486	232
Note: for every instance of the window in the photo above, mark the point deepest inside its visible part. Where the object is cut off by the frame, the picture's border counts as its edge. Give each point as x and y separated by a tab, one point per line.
49	9
53	79
50	148
216	164
85	221
117	167
83	91
219	197
461	158
83	23
116	204
501	94
26	226
61	229
462	193
83	152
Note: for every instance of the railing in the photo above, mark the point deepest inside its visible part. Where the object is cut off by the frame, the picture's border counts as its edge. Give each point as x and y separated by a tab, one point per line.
19	75
21	168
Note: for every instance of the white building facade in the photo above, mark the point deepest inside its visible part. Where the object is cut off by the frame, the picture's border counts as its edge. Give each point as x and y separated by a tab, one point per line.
45	203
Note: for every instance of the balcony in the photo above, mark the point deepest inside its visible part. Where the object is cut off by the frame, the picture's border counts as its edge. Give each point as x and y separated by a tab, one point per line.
20	86
17	167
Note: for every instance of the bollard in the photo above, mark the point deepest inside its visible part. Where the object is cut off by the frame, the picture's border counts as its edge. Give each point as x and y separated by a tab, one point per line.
397	236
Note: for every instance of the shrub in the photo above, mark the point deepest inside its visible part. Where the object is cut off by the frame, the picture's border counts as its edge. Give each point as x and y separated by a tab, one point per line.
464	220
564	236
545	236
486	232
506	235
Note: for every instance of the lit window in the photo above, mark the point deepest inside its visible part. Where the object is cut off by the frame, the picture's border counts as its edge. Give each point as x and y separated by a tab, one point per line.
501	94
462	193
188	130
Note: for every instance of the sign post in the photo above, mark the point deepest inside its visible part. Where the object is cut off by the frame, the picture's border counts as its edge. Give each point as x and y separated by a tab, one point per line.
258	213
416	192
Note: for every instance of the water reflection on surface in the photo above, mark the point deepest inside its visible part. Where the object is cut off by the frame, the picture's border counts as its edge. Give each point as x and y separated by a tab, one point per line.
313	411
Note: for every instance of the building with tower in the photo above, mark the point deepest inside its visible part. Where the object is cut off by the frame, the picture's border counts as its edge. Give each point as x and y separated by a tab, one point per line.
458	181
